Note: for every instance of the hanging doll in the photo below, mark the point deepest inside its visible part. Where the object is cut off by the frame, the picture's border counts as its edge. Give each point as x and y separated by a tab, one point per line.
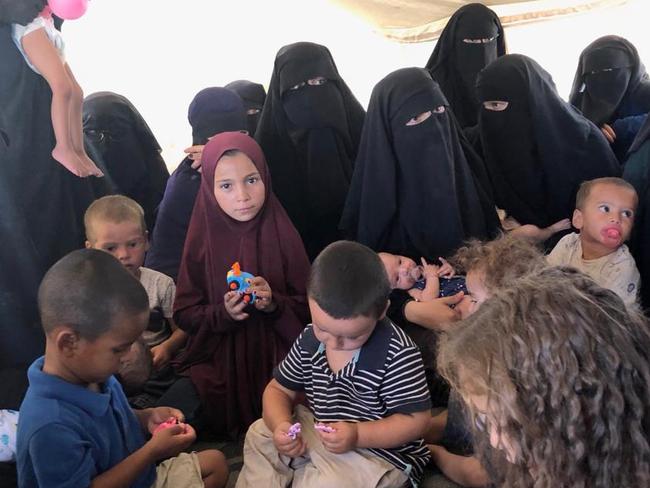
41	44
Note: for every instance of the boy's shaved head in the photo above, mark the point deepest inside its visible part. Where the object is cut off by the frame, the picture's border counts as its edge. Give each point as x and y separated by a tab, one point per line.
87	290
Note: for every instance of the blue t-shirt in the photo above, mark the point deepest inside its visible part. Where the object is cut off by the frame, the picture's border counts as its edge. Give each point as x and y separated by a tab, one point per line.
68	434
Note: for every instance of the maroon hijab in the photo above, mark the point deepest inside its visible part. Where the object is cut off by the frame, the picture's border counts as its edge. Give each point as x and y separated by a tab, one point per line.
237	358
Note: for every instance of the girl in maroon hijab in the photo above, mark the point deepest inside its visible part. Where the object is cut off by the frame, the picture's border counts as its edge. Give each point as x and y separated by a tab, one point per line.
234	346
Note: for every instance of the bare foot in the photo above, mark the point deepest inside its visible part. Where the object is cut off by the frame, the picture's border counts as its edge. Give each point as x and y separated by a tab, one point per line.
90	166
70	161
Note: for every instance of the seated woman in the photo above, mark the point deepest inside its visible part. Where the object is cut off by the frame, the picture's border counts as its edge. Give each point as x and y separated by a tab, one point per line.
472	38
119	139
309	130
612	89
212	111
537	147
234	343
417	190
555	372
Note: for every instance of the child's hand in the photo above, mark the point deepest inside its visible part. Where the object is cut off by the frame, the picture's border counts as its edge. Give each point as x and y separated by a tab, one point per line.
160	355
430	271
446	270
235	305
343	439
263	294
170	442
159	415
285	444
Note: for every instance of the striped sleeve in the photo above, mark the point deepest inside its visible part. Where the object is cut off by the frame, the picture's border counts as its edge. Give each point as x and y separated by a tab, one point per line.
290	372
404	388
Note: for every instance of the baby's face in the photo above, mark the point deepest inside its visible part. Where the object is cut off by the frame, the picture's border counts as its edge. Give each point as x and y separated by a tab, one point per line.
401	270
124	240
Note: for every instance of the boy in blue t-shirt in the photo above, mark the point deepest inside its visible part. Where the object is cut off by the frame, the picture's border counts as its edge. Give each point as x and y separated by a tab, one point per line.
76	427
363	378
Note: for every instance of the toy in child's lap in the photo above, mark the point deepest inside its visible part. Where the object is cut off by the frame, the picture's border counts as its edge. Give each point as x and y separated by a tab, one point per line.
42	47
240	281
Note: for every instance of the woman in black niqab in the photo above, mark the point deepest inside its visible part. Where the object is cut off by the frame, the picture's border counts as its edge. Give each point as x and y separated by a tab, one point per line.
537	147
309	130
116	134
471	40
611	86
418	189
253	96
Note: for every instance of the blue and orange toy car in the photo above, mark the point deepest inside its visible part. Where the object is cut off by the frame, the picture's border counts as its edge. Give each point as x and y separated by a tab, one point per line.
240	281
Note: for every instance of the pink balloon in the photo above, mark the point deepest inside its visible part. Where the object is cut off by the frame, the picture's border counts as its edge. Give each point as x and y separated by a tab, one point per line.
68	9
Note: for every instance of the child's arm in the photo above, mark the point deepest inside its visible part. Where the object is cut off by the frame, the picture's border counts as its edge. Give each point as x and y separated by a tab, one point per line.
415	294
166	350
393	431
464	470
277	407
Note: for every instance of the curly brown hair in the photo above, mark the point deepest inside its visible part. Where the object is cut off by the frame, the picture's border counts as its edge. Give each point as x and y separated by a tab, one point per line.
500	261
566	371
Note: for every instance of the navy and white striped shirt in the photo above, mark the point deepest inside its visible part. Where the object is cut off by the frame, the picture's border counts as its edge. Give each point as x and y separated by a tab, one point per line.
385	377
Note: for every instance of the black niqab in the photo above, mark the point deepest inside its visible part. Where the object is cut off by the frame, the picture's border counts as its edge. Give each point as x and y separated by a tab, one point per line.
611	82
116	136
471	40
539	149
414	191
310	134
253	95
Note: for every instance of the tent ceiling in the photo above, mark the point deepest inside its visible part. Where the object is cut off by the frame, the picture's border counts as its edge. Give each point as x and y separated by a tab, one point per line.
423	20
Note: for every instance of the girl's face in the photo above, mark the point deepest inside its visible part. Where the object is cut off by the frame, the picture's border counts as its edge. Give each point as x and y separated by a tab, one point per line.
483	421
238	187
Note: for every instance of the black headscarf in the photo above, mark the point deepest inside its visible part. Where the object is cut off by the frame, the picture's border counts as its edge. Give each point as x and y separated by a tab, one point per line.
611	82
212	111
539	149
471	40
310	136
116	135
253	95
41	203
414	191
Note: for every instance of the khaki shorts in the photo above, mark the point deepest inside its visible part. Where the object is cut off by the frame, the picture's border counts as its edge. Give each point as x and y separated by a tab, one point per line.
182	471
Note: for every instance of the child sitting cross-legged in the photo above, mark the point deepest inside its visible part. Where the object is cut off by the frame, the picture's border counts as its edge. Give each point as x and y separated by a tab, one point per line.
76	427
364	379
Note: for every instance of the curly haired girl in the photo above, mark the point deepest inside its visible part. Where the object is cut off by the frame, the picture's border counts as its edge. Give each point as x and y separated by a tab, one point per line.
556	376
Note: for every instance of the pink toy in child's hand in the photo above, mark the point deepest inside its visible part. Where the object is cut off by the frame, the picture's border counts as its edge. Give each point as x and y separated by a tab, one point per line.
324	427
68	9
294	430
170	422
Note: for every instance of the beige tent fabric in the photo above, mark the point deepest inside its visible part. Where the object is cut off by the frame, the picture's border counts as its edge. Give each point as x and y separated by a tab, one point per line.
423	20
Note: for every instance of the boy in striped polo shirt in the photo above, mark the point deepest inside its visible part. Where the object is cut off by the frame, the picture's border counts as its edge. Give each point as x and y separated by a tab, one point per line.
363	378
